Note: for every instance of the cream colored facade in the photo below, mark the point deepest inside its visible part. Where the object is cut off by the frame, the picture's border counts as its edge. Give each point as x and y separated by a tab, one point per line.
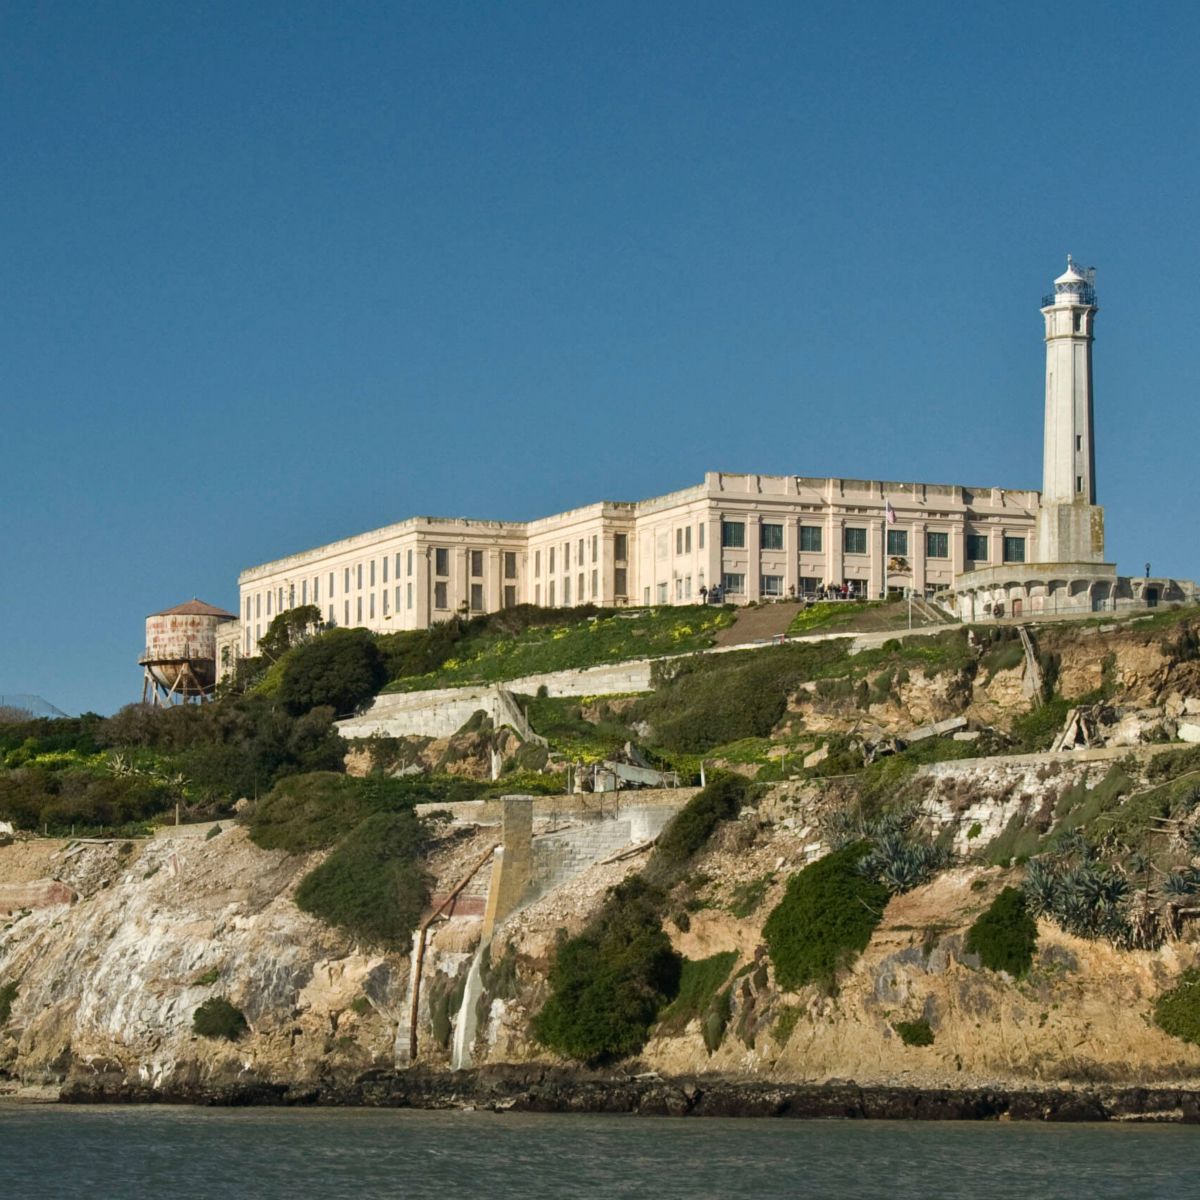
756	537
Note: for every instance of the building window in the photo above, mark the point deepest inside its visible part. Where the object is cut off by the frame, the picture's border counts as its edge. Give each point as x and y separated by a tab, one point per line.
646	597
331	588
398	565
537	594
441	562
621	547
384	562
977	547
372	572
810	539
510	596
408	596
476	563
270	597
317	590
687	587
304	591
550	562
359	576
384	597
595	582
409	559
537	564
345	580
772	537
1014	549
567	590
700	535
477	597
510	565
398	596
579	588
662	593
371	612
733	535
678	588
439	596
331	618
595	546
1079	483
937	545
550	594
247	618
733	585
854	540
687	540
772	585
679	541
808	585
579	556
345	612
358	611
620	586
897	541
566	556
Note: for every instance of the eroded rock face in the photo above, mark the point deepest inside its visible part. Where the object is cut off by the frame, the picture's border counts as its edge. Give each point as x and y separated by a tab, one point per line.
113	982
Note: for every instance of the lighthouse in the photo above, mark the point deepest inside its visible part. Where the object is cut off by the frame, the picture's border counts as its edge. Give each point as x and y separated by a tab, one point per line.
1070	524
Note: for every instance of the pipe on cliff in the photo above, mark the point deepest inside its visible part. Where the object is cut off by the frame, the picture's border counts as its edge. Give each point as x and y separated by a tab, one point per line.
419	954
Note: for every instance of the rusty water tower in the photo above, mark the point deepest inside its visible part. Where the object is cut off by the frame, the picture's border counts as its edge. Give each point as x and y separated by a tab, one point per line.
180	660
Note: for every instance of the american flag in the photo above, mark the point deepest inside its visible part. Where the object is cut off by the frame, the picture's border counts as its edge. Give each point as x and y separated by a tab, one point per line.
891	513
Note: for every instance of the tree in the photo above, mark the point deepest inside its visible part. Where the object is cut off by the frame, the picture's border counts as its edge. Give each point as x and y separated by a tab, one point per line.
341	668
288	629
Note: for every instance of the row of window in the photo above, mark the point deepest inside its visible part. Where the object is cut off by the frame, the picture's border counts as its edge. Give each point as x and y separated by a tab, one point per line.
441	562
620	554
580	582
854	541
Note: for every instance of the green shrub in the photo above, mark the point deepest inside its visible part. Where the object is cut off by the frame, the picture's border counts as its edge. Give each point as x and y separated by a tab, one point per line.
699	980
8	993
217	1018
373	884
748	896
1005	936
785	1023
207	979
608	984
825	919
1178	1011
914	1033
716	1020
342	668
308	812
691	827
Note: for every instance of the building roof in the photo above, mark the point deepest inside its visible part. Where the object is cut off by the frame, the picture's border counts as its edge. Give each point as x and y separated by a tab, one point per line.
196	608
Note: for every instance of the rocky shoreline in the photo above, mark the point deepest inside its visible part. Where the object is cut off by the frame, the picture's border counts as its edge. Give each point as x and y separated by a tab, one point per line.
540	1090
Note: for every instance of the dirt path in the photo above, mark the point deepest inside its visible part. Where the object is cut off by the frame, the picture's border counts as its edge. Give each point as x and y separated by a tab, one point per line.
758	624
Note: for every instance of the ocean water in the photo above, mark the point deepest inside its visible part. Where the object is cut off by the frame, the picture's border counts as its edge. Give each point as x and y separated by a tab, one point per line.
114	1153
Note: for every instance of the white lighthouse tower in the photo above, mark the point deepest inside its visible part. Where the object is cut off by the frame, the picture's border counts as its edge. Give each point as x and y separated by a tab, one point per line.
1070	524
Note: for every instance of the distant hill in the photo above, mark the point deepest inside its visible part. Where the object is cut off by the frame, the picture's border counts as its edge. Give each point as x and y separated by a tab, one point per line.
20	706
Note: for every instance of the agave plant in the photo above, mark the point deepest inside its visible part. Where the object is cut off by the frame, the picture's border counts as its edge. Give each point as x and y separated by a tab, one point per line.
1041	887
1177	885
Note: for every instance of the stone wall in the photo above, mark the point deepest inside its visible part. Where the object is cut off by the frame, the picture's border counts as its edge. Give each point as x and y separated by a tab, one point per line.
440	712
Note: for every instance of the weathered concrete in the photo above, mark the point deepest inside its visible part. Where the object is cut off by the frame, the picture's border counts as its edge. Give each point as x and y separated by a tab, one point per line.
512	864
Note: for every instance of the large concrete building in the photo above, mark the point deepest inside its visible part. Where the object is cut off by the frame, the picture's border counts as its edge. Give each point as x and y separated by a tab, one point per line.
755	537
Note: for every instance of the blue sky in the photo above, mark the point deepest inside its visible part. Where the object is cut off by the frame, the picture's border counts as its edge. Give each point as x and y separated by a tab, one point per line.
272	274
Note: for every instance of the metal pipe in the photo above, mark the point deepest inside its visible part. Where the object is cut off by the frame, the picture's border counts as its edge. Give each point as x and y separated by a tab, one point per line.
419	955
